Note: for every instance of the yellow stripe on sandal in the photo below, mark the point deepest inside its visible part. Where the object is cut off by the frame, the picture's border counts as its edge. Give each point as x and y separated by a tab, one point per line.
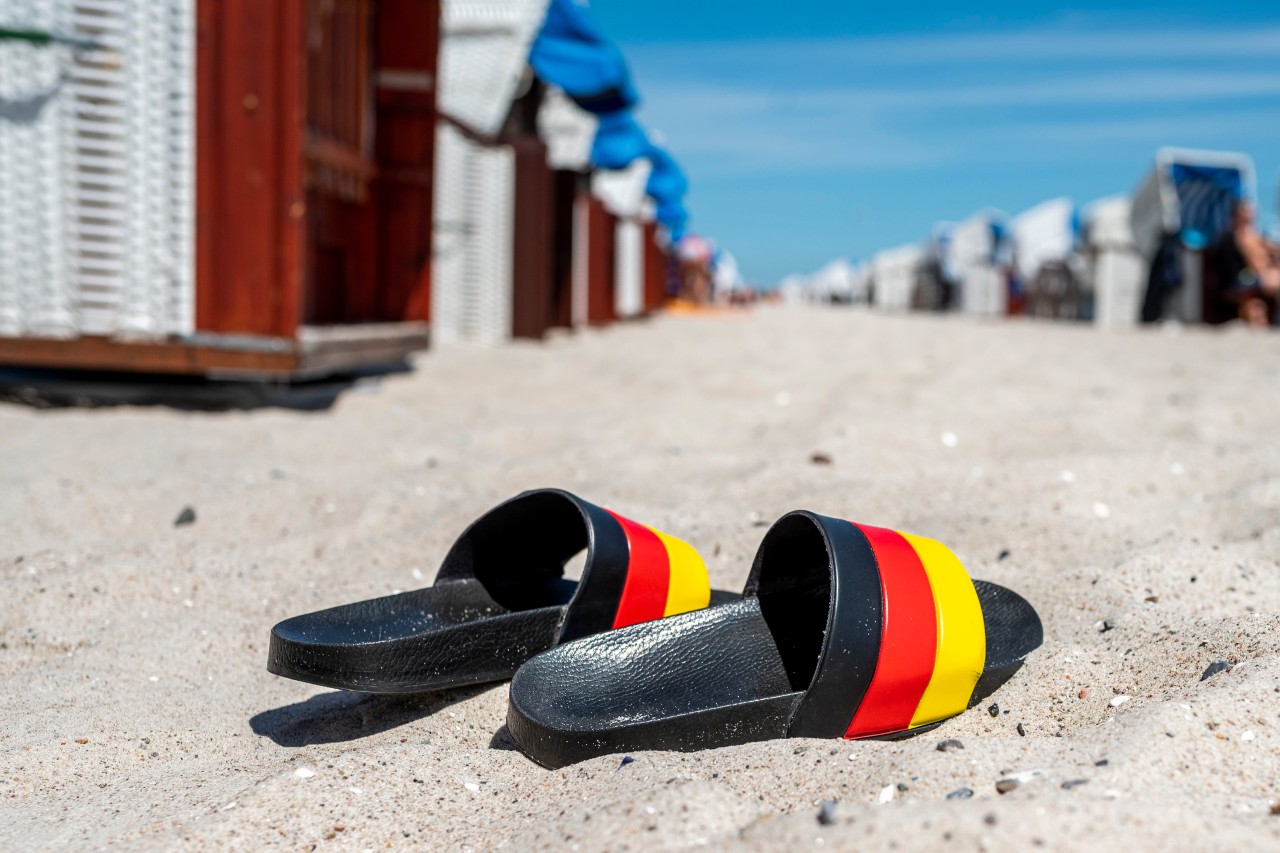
962	634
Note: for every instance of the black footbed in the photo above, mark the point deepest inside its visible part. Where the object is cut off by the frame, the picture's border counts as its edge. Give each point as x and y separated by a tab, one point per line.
711	678
499	598
426	639
452	634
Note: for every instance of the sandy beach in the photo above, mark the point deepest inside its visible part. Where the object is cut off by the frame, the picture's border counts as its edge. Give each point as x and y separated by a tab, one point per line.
1127	484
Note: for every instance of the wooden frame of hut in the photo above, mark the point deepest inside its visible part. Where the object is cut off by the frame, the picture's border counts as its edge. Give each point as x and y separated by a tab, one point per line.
221	187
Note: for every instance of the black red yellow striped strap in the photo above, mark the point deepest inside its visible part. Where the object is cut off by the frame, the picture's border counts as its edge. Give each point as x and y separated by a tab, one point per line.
633	573
905	639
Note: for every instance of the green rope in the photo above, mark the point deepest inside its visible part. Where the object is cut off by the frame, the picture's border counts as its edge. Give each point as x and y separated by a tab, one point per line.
44	39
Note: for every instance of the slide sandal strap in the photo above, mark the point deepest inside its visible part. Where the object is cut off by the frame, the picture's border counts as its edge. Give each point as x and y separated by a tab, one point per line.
905	640
933	640
632	574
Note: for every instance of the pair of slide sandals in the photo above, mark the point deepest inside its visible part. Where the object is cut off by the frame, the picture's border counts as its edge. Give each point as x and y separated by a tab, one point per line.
843	630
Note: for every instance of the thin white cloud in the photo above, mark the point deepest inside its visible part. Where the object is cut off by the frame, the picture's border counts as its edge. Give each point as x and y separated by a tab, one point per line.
1119	87
827	120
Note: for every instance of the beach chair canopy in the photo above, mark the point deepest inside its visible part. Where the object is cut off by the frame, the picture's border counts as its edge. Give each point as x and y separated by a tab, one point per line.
622	190
725	275
980	240
1043	234
840	279
568	131
1105	224
484	56
1191	194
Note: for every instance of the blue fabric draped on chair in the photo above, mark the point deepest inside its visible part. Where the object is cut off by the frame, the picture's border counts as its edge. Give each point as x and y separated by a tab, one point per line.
570	52
619	141
1206	196
667	186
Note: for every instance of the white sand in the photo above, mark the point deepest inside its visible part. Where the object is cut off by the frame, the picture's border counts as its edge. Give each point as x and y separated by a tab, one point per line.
1131	477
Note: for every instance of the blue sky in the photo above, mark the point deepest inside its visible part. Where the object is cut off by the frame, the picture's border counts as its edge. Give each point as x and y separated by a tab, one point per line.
812	130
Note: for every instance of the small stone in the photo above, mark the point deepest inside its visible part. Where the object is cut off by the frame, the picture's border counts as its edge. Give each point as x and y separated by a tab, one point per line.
1214	668
1117	701
1014	780
1275	808
950	439
950	745
1101	510
989	819
1074	783
820	458
1106	625
1246	737
993	709
626	759
304	773
827	813
960	794
473	787
1003	555
82	740
1101	762
187	516
1022	730
886	794
903	787
1084	693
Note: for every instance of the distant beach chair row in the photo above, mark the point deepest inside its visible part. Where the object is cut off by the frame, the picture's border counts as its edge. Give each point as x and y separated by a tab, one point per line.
1095	264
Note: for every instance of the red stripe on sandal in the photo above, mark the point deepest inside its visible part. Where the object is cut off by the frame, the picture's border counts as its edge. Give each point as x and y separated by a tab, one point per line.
644	594
908	638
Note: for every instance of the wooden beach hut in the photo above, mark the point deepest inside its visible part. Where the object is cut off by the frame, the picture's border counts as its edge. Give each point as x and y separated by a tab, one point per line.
978	255
1045	239
893	276
934	289
1181	209
1115	269
493	185
838	282
217	187
533	100
622	193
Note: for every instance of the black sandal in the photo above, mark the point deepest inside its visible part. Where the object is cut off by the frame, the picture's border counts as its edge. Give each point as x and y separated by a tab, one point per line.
843	630
499	598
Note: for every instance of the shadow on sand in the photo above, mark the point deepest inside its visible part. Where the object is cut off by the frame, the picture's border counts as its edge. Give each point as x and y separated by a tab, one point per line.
57	389
343	716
